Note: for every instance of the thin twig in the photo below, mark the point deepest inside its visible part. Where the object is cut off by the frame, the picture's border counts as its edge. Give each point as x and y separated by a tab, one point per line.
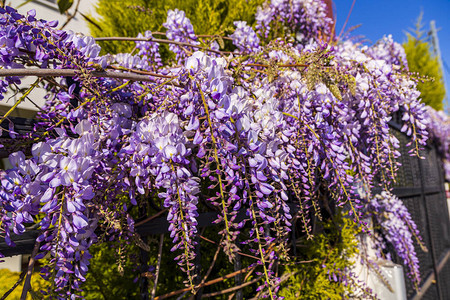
211	266
174	293
28	98
71	73
262	293
158	266
232	289
18	282
182	295
140	72
198	35
20	100
161	41
151	217
245	279
214	36
27	285
243	254
346	20
281	66
71	16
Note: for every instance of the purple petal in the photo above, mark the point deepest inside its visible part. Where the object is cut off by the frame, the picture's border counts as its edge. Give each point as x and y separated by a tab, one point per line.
79	221
266	188
47	195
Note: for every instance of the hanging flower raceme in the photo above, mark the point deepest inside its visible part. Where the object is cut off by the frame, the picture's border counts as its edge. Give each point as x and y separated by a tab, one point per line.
245	38
439	128
284	131
179	29
56	182
398	228
149	49
305	20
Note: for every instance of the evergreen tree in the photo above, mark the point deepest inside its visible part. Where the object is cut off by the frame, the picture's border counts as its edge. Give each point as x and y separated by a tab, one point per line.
422	61
129	17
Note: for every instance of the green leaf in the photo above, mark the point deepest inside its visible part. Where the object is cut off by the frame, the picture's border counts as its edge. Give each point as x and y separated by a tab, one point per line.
221	43
64	5
25	2
334	89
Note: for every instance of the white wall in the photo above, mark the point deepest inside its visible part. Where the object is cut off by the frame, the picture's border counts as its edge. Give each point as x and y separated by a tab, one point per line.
48	10
14	263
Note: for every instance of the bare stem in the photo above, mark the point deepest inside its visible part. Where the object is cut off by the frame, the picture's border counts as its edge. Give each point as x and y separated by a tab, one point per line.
71	16
158	266
18	282
140	72
282	65
174	293
19	101
151	217
237	252
211	266
27	285
71	73
161	41
232	289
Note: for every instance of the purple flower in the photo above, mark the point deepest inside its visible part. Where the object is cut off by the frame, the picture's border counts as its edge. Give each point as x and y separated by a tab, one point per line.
245	38
398	228
179	29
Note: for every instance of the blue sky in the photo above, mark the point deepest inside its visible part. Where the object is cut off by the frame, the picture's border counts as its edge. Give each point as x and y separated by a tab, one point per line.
382	17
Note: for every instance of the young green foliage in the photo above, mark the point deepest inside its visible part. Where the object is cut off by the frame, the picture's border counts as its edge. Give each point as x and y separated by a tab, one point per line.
330	252
106	281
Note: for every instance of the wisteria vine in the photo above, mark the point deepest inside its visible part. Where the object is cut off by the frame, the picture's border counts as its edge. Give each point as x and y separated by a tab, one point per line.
284	121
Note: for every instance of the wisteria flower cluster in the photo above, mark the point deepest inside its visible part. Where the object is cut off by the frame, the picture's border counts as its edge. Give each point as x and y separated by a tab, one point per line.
399	230
56	181
259	135
439	128
244	37
148	50
305	20
179	29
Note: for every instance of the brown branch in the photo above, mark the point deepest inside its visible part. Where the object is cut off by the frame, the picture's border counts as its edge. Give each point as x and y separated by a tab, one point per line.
243	254
304	262
214	36
161	41
211	266
232	289
247	276
140	72
18	282
293	65
71	73
259	71
282	65
198	35
245	279
27	285
151	217
263	294
158	265
206	283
